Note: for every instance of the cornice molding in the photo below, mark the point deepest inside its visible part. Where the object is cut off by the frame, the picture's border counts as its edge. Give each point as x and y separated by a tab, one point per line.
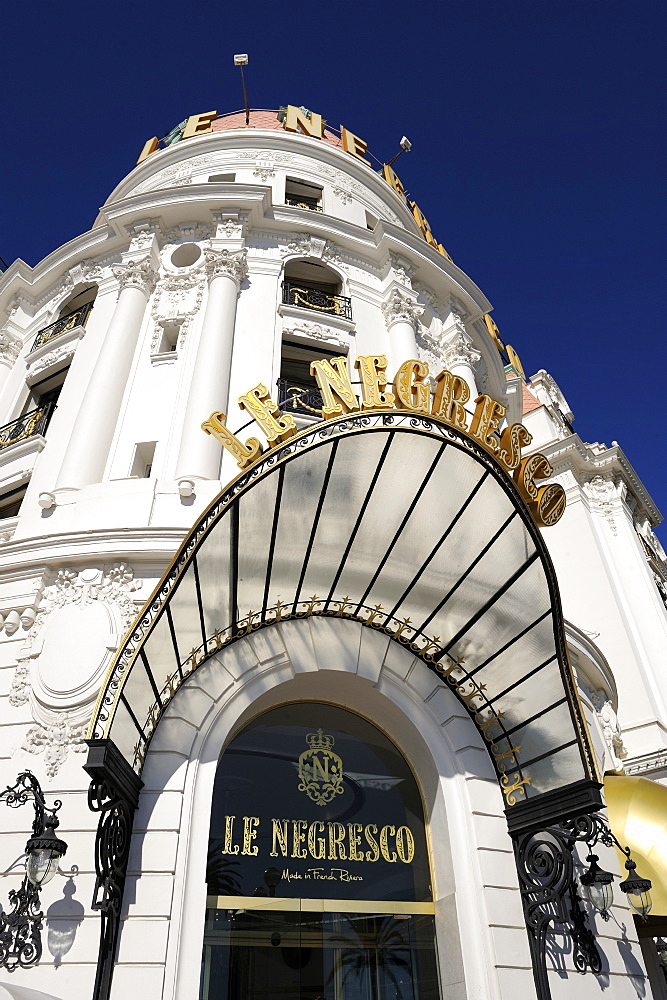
574	455
138	545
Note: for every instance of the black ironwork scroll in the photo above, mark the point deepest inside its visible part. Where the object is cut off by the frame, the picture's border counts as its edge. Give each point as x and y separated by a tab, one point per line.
20	929
549	893
114	794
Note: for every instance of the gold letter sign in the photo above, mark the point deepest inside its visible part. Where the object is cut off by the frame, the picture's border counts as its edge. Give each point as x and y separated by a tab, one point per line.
412	392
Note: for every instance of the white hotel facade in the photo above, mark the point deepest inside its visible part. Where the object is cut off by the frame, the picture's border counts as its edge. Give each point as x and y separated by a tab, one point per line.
373	592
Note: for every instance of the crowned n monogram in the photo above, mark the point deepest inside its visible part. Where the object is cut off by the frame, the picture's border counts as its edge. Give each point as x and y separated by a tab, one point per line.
320	769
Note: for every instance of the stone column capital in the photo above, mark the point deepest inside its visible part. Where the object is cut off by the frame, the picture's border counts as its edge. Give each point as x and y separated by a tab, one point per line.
401	308
458	350
136	274
227	263
9	348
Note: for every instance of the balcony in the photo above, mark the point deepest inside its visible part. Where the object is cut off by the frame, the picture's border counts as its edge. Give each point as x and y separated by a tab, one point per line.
301	201
62	325
27	426
295	398
316	299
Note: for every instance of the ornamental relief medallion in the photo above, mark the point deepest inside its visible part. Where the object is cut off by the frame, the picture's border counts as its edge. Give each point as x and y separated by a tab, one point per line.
175	303
81	617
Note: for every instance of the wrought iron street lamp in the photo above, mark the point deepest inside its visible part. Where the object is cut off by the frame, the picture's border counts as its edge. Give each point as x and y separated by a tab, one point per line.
20	927
597	887
597	883
637	889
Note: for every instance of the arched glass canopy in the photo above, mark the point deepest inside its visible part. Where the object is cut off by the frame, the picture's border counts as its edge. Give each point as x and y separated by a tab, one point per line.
405	525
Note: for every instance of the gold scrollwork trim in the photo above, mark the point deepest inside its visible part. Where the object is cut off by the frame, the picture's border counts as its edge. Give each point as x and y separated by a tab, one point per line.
513	785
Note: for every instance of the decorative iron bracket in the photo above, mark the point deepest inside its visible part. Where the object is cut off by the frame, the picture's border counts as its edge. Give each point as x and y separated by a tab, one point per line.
549	890
21	929
114	794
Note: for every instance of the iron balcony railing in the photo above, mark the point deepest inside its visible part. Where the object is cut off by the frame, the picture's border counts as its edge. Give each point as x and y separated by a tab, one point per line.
310	203
295	398
315	298
26	426
62	325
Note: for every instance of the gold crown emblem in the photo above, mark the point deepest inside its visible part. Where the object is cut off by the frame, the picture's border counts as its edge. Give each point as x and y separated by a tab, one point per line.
318	741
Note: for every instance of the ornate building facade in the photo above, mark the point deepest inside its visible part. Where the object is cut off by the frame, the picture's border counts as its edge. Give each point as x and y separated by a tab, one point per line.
335	688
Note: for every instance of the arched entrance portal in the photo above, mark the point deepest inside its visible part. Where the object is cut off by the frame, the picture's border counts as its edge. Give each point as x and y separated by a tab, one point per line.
407	527
318	874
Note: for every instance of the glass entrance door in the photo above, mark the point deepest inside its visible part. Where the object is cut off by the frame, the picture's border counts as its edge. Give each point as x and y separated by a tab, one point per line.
296	954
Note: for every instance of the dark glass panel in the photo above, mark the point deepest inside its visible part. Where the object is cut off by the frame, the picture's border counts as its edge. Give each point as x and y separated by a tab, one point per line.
323	797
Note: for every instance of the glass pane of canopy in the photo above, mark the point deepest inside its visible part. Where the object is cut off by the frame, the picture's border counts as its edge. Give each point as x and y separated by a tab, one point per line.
404	527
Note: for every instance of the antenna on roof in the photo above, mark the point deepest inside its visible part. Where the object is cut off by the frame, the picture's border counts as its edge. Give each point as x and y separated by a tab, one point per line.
241	60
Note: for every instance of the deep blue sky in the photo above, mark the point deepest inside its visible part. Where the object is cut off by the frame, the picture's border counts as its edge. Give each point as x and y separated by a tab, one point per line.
538	150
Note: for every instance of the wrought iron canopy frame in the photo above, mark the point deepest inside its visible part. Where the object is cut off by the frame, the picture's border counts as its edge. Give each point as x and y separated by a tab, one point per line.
406	525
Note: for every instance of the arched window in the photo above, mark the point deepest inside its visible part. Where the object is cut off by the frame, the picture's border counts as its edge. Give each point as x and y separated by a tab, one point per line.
318	872
315	286
78	299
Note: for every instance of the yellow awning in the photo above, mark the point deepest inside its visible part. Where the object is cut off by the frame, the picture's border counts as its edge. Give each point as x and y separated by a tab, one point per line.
637	811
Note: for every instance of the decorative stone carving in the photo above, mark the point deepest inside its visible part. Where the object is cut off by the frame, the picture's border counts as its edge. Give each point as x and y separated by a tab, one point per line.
177	174
136	274
645	531
230	225
555	395
268	155
316	331
265	162
9	348
299	243
19	691
344	187
609	725
458	350
55	740
426	293
88	270
188	231
264	171
304	245
332	254
400	308
230	229
57	356
402	269
482	375
603	492
81	617
228	263
343	194
177	301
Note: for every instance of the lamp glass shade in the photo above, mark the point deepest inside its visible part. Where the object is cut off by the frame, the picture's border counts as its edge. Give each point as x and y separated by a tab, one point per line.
640	901
600	895
42	865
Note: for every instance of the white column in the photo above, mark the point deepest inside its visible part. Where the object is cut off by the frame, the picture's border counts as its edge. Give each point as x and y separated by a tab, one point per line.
459	355
200	454
401	314
88	446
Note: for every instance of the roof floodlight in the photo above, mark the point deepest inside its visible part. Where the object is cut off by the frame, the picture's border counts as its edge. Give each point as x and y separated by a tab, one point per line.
405	145
241	60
